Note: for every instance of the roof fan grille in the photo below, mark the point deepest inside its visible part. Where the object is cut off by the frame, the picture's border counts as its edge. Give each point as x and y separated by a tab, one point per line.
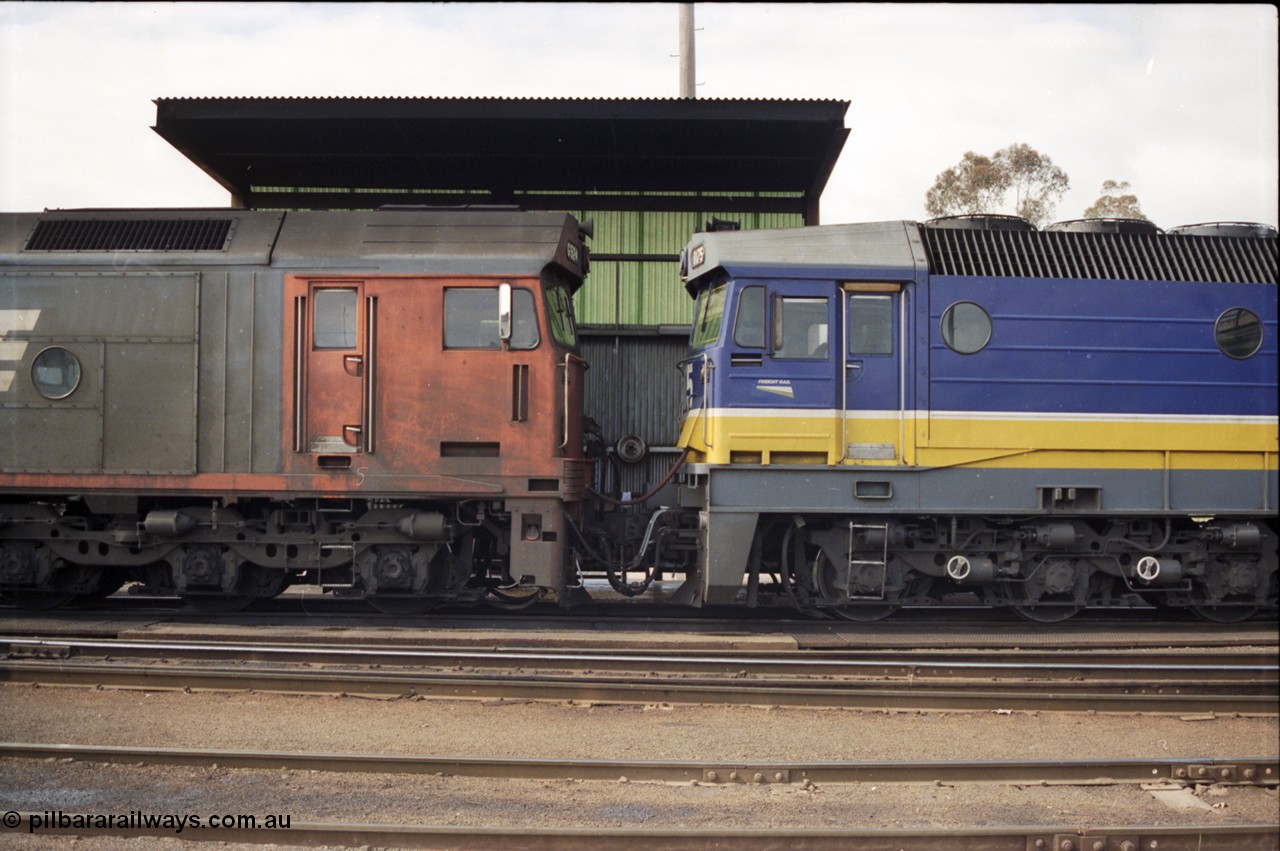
1100	256
130	235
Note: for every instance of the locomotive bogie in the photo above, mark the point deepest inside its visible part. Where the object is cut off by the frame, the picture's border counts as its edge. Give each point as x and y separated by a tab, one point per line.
251	551
857	565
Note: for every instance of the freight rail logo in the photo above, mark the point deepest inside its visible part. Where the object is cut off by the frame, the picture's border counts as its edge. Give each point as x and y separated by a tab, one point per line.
776	386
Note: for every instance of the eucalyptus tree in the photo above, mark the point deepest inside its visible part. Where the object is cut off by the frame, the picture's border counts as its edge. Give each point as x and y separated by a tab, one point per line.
982	184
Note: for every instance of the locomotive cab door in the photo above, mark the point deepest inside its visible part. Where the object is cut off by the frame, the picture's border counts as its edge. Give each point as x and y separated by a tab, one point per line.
793	388
873	413
800	343
333	369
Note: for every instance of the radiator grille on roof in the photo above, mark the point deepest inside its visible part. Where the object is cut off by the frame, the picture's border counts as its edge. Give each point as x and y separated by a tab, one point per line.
1109	256
130	235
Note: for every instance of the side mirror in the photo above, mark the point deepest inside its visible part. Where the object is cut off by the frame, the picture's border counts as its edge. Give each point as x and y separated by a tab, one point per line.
504	312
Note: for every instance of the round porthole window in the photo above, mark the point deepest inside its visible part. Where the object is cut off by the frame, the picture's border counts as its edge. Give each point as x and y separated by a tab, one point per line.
966	328
1238	333
56	373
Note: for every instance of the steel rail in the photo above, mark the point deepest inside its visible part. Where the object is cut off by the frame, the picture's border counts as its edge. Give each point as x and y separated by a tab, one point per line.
1241	837
1253	770
1224	665
1249	697
632	613
636	633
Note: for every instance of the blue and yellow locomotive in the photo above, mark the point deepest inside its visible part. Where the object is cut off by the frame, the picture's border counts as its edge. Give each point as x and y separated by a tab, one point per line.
889	414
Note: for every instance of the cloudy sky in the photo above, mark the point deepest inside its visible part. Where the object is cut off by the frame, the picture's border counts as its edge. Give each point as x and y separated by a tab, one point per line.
1178	100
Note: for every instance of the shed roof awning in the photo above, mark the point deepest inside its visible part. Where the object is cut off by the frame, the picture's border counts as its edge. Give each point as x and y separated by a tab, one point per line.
502	150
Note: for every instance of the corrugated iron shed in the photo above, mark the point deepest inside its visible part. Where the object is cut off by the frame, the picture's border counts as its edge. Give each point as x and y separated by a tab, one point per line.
551	154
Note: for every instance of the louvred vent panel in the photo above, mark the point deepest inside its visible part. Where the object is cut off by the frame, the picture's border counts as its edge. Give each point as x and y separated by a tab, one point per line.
1100	256
130	235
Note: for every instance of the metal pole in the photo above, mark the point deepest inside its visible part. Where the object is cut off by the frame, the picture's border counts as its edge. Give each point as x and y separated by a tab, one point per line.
687	74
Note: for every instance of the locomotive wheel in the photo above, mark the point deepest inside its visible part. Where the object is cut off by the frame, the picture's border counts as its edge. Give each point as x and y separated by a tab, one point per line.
402	605
1224	614
824	577
1046	614
89	582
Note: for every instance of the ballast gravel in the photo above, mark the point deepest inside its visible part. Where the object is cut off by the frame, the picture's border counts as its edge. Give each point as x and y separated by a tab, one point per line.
576	730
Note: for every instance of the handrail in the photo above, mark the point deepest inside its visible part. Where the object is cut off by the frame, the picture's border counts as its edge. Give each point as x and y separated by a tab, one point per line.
370	372
708	369
568	357
844	377
299	379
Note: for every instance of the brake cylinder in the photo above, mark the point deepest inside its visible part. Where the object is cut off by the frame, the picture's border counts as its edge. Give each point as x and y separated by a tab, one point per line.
1056	536
168	524
1243	536
424	526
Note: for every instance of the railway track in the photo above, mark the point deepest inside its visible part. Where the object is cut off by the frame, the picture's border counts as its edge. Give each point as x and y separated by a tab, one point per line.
1167	773
1248	837
1097	664
607	608
1253	771
1243	681
1083	678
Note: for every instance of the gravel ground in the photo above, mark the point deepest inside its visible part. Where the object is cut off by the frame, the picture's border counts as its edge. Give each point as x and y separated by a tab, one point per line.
537	729
498	728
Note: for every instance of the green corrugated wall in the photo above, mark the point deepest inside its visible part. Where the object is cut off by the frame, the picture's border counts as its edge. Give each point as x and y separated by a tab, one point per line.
645	288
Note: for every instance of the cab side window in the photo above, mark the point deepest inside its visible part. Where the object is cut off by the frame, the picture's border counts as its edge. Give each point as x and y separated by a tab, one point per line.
870	324
334	324
471	319
801	327
708	312
748	329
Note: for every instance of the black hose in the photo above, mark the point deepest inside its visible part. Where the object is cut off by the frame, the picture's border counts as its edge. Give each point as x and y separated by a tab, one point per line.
654	490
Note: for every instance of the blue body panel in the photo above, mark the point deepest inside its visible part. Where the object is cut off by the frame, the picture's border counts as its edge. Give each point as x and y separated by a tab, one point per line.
1068	346
1110	347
